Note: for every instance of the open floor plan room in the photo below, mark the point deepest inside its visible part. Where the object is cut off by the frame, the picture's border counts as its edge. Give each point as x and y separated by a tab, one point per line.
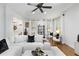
39	29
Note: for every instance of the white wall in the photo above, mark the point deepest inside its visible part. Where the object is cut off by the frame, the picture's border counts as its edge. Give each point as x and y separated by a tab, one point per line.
71	20
47	23
8	23
10	14
1	21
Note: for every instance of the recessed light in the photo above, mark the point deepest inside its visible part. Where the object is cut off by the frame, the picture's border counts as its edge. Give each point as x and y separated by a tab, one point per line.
45	12
33	12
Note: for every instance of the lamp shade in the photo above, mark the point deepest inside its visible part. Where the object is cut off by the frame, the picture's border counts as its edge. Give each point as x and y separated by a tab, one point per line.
57	31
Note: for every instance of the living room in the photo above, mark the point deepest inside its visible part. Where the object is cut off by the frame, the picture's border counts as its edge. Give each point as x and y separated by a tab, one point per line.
19	20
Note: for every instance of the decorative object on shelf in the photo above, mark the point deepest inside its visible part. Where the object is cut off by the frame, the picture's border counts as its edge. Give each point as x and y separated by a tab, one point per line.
14	27
26	26
25	31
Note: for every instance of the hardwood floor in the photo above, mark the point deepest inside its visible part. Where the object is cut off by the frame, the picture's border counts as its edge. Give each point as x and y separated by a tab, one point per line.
68	51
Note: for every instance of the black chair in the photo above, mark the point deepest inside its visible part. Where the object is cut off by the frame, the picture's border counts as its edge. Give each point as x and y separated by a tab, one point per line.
57	36
51	33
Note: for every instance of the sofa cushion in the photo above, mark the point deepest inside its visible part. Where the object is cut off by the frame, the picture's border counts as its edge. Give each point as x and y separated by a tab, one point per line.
3	46
20	38
30	38
39	38
13	51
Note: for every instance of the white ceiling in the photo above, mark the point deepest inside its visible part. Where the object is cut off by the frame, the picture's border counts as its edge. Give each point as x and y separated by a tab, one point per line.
26	10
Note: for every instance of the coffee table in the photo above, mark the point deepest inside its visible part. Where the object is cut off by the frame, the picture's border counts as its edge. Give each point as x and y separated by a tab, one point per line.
28	53
54	51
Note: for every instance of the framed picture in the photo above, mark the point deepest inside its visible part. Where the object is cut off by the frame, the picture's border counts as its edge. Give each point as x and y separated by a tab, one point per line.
41	29
14	27
26	24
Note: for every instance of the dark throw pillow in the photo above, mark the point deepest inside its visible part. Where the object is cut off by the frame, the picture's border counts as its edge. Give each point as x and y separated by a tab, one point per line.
30	38
3	46
51	33
57	36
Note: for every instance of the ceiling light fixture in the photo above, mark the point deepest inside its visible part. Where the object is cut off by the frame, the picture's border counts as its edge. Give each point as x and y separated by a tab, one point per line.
33	12
45	12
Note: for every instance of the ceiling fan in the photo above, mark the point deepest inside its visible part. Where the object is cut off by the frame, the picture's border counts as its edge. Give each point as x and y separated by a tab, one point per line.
40	7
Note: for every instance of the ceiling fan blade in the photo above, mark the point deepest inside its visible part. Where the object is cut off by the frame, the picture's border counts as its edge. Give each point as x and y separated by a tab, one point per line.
31	4
41	10
47	7
34	9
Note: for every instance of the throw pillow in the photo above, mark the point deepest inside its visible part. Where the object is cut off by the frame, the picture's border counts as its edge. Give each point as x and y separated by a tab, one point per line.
30	38
3	46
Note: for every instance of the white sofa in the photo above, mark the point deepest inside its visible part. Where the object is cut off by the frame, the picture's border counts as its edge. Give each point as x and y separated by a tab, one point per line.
13	51
22	41
20	48
24	38
21	44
